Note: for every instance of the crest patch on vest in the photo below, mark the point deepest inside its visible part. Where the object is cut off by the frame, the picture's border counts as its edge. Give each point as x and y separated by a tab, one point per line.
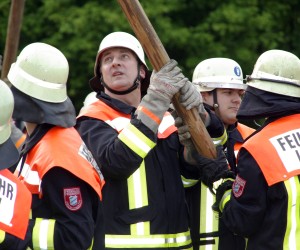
72	198
238	186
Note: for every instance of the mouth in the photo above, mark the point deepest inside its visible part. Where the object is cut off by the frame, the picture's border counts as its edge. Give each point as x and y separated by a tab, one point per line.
117	73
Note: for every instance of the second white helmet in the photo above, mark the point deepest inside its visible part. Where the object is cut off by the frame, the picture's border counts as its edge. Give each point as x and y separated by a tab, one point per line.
41	71
218	73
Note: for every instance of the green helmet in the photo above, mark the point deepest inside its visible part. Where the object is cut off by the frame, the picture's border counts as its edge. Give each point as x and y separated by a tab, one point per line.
276	71
41	71
6	106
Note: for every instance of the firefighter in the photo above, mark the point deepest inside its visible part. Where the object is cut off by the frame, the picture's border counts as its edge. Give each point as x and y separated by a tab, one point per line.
15	198
56	166
220	81
135	141
262	204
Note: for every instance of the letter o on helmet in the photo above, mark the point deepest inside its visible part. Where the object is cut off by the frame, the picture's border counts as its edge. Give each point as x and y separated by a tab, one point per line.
276	71
218	73
41	71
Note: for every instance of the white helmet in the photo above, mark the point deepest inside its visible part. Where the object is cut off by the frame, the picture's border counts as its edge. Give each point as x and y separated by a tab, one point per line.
41	71
276	71
120	39
6	107
218	73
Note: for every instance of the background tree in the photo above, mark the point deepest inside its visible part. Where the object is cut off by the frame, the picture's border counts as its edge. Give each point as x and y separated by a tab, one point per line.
191	30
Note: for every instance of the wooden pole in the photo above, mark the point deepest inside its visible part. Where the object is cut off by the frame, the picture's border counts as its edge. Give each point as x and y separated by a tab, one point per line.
12	36
158	57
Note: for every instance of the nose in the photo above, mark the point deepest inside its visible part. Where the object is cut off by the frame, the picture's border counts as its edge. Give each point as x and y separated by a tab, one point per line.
116	61
236	98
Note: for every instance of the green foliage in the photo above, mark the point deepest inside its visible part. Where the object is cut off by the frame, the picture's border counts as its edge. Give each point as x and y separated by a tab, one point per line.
191	30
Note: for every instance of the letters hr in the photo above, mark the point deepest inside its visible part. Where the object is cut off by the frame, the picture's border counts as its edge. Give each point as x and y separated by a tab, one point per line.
6	189
290	141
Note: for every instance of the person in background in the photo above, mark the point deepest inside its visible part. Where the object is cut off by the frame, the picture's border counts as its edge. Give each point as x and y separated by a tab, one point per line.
15	198
134	139
220	81
56	166
262	203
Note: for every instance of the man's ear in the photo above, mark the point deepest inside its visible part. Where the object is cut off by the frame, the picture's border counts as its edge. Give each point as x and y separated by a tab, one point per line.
142	72
205	96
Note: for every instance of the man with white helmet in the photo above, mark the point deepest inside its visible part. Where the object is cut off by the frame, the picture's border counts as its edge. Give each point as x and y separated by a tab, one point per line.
134	139
220	81
15	198
262	204
56	166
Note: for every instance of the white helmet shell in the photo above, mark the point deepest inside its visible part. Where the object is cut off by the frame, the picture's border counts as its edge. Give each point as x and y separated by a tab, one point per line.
120	39
218	73
41	71
7	106
276	71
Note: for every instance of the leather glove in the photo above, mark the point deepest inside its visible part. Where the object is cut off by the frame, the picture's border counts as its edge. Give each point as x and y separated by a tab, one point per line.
190	97
163	85
212	170
223	190
167	81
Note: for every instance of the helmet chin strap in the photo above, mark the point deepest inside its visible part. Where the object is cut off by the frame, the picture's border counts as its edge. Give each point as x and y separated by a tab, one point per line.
134	86
215	106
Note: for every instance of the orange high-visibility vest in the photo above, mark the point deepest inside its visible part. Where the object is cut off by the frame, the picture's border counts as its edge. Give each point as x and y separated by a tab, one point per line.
118	120
276	149
245	131
15	204
65	149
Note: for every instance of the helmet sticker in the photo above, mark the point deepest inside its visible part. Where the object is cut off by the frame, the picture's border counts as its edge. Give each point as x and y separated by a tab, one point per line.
237	70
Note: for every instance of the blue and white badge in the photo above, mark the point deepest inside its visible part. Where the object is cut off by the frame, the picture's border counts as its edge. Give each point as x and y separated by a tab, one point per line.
237	71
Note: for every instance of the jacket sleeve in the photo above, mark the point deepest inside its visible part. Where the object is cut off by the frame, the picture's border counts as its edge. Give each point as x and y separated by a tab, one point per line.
117	153
245	209
61	228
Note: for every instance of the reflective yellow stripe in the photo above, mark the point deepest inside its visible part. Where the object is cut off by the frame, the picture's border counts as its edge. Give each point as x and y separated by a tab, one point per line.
2	236
148	241
136	140
225	199
209	221
188	182
138	197
220	140
292	234
43	234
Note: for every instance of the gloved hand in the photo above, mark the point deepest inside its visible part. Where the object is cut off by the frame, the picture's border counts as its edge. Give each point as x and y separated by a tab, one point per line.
163	85
212	170
224	188
190	97
167	81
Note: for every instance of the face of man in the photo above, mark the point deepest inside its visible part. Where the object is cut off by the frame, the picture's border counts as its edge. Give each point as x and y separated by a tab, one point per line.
119	67
229	101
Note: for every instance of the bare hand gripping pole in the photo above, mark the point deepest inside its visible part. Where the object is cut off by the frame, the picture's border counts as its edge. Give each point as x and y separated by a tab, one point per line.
158	57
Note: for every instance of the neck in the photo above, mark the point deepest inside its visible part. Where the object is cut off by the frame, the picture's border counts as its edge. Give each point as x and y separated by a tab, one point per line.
30	127
133	98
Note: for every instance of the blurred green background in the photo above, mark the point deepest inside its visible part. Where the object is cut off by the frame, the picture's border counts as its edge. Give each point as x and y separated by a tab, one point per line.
190	30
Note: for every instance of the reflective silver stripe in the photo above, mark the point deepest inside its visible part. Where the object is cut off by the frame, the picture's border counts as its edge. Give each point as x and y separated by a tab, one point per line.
292	234
188	182
136	140
209	221
148	241
43	234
